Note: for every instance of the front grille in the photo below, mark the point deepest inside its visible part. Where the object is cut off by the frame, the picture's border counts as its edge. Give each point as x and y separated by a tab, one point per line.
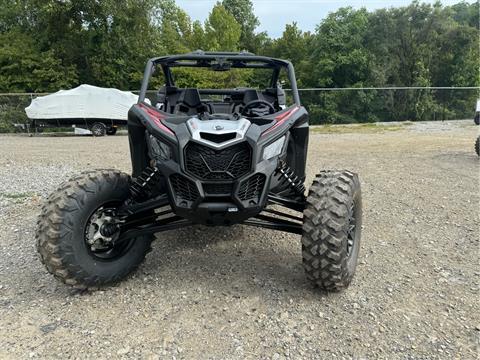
210	164
251	188
218	189
183	188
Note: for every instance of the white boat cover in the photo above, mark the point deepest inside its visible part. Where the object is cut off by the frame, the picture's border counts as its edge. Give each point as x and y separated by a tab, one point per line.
85	101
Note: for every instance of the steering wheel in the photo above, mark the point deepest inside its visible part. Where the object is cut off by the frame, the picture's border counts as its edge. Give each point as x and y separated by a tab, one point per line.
258	108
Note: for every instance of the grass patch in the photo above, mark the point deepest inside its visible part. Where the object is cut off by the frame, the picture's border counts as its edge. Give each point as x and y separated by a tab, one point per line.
368	128
17	196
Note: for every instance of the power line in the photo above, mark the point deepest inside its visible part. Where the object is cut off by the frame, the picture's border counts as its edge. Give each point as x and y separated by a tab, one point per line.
395	88
320	89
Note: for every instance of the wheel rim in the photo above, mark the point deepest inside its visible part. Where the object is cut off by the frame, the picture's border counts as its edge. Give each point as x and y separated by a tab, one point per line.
100	246
97	130
352	229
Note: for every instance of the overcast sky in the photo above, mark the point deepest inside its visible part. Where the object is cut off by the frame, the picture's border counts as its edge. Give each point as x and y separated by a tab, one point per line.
274	14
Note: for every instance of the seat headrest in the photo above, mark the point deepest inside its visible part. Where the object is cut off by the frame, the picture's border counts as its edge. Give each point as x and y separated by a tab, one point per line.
190	97
250	95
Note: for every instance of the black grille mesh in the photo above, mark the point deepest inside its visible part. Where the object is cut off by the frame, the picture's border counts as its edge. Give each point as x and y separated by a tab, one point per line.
210	164
218	189
251	188
183	188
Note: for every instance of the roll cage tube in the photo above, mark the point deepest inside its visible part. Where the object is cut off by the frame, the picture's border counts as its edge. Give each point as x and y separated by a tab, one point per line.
202	59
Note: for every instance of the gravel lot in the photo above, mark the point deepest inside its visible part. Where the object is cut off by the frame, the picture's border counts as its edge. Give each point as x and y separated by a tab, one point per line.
240	292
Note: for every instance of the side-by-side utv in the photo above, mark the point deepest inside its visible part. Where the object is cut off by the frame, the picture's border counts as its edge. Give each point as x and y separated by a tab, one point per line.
215	157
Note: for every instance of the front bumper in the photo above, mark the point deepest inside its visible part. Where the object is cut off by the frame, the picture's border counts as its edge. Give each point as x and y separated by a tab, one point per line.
216	198
216	184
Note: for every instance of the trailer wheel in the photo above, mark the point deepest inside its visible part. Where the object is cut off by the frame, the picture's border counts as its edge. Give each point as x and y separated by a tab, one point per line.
98	129
477	146
111	130
332	229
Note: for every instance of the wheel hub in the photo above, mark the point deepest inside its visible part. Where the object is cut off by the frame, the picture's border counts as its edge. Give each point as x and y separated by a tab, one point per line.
102	230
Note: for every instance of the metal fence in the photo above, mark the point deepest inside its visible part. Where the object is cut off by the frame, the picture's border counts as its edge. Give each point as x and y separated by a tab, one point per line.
329	105
353	105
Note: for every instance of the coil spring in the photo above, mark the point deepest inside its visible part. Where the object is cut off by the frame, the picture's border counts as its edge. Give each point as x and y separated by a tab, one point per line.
142	184
293	180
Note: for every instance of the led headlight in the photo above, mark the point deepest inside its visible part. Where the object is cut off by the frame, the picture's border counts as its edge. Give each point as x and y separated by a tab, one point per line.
274	149
159	150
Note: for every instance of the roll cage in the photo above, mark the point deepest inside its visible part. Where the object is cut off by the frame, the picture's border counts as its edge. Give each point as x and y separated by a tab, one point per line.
219	61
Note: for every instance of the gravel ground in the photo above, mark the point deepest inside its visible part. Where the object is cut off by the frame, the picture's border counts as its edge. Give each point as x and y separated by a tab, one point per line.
240	292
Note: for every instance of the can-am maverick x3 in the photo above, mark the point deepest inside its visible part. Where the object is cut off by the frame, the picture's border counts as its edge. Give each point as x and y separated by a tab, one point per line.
215	157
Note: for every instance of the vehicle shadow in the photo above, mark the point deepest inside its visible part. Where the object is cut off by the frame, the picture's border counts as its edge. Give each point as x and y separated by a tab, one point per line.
237	261
241	257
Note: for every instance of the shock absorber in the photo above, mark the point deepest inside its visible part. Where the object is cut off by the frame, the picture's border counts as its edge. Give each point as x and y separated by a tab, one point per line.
292	180
142	184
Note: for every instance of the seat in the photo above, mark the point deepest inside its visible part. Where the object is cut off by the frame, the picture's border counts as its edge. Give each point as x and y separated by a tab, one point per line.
275	96
221	107
167	97
250	95
189	103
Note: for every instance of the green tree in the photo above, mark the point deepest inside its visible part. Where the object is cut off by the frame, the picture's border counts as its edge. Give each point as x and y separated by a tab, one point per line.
294	45
117	53
222	32
421	45
176	31
106	42
243	12
23	67
197	40
339	56
466	14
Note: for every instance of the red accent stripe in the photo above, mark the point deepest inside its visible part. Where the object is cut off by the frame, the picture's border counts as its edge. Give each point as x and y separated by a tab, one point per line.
281	119
157	118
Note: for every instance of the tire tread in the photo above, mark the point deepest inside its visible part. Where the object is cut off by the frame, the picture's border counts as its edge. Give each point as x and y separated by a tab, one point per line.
55	227
324	229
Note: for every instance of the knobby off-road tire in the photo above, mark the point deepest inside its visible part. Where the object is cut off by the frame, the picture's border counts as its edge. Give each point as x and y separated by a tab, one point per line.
61	231
332	223
477	146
